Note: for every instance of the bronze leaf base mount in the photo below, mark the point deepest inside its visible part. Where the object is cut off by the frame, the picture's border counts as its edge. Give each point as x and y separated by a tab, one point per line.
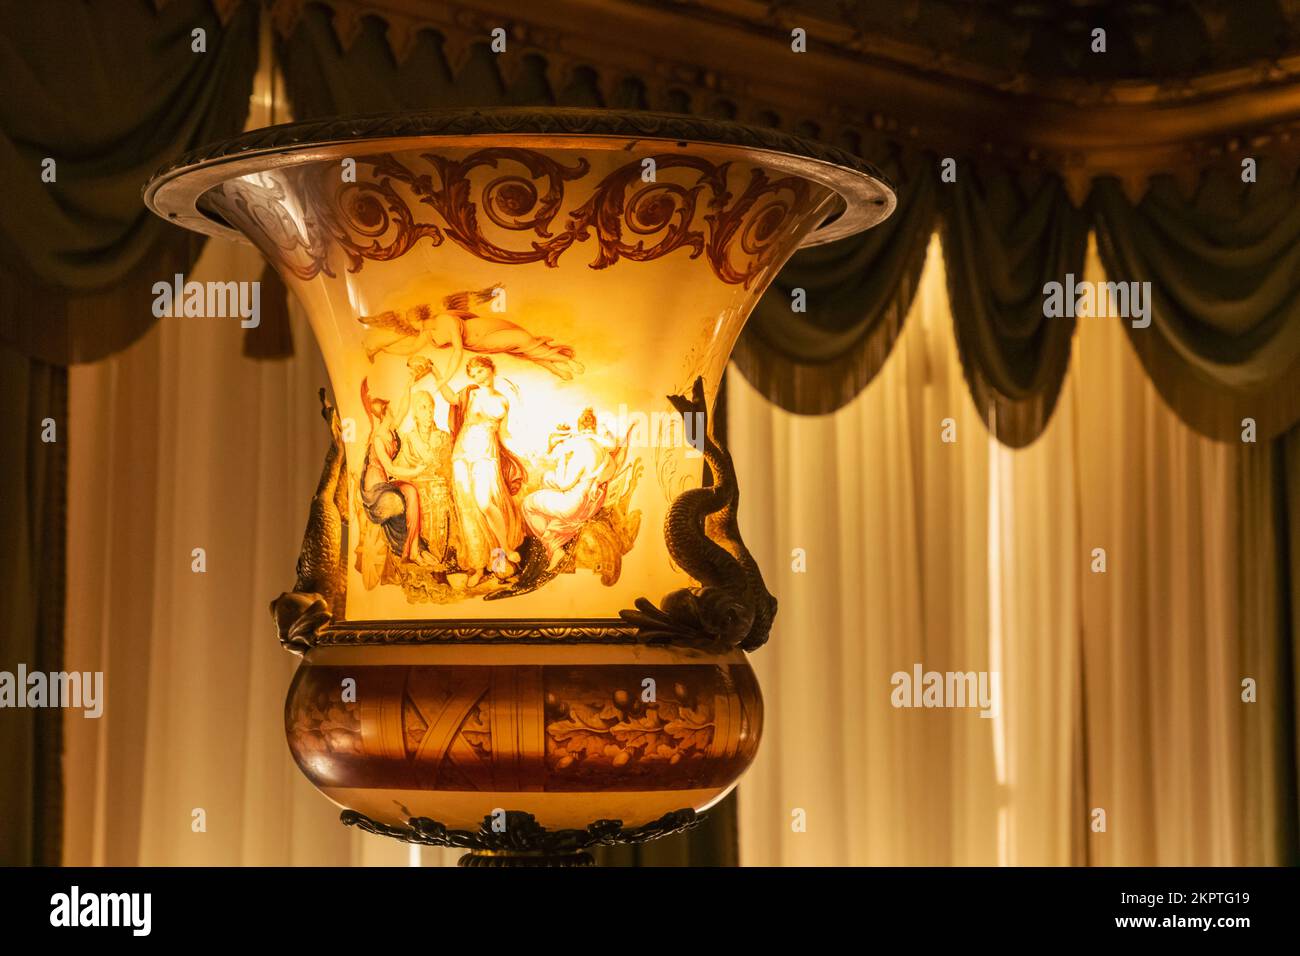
515	838
514	858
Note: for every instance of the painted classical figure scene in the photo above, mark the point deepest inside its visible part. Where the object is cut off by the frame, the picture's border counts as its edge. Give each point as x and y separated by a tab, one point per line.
466	510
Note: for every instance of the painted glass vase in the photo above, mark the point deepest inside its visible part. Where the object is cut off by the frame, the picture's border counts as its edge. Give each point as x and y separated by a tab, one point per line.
523	602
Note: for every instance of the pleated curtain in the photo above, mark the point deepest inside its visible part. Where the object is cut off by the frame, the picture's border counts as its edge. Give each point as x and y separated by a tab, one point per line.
1122	737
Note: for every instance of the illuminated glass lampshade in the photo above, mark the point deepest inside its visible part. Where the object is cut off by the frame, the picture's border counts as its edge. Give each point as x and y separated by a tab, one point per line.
523	601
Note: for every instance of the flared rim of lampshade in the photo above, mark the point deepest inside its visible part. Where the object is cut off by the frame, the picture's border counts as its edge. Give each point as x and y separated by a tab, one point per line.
865	196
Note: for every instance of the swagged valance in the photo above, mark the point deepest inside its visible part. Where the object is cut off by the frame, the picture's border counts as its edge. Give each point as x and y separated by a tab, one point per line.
108	92
1223	258
1224	268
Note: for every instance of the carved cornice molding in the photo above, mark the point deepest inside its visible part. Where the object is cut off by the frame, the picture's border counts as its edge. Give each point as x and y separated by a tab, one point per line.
733	57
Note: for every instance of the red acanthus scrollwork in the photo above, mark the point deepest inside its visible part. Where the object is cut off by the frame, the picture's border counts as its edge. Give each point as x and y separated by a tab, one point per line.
759	231
666	209
630	217
511	202
369	210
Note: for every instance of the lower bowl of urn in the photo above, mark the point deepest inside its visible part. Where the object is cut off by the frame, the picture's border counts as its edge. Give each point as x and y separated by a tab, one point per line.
569	733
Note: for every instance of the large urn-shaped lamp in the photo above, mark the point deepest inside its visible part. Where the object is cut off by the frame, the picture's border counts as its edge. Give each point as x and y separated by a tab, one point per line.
523	603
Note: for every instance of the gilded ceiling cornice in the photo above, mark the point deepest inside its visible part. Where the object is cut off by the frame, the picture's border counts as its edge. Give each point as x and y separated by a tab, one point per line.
734	56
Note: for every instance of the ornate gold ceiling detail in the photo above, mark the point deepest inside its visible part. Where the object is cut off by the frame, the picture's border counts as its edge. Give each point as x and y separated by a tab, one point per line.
733	58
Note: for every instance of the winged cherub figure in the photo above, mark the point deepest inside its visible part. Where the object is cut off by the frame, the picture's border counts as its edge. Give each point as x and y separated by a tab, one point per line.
423	328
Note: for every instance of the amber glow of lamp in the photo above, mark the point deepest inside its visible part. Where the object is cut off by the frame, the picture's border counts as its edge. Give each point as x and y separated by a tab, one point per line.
523	603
